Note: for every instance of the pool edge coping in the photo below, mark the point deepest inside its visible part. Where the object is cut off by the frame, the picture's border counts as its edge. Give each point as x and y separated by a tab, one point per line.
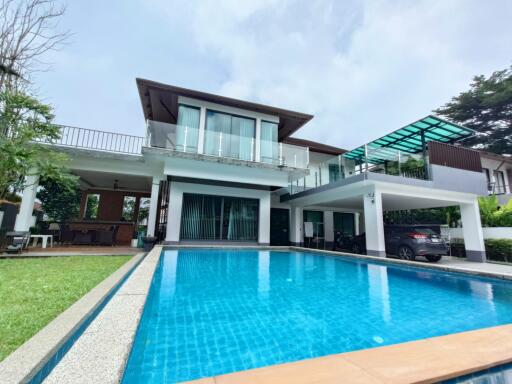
383	365
408	263
382	260
101	353
24	363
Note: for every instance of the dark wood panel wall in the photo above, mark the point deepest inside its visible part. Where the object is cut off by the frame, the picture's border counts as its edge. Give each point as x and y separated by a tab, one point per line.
111	203
454	156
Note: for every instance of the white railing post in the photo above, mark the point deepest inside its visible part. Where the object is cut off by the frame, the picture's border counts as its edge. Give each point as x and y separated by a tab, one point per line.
185	139
281	160
220	144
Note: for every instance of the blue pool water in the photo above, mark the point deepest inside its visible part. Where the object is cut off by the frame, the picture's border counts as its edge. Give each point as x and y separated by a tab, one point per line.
211	312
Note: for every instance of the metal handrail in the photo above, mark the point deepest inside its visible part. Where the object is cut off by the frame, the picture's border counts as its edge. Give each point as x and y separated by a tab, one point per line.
74	137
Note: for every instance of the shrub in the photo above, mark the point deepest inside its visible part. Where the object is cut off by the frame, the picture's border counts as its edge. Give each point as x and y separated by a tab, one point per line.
496	249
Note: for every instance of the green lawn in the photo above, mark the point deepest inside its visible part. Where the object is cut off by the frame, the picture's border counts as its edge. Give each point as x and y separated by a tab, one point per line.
34	291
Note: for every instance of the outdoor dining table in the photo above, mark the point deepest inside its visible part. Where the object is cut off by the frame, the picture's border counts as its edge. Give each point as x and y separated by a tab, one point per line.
44	240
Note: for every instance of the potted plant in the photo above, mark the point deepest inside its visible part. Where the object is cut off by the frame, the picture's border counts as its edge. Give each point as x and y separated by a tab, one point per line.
135	239
149	242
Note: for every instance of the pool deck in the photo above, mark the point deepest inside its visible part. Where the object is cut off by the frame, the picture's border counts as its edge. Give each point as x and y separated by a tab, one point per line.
100	354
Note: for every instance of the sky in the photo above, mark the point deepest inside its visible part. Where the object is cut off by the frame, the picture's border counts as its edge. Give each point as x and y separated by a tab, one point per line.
361	67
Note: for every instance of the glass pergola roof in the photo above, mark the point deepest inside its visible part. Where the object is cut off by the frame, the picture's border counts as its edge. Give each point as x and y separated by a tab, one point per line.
409	140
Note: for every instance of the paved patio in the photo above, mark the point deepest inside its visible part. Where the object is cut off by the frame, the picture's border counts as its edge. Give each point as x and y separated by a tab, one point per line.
78	250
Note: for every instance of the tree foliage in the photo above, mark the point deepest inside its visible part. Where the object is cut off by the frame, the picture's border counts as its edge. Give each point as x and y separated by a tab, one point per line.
494	215
487	108
60	201
24	121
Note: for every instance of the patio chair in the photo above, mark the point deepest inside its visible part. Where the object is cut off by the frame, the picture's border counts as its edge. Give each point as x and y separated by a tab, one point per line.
66	235
109	237
19	241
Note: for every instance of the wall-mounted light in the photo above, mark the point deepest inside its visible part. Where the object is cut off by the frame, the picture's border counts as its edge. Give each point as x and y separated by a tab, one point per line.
371	196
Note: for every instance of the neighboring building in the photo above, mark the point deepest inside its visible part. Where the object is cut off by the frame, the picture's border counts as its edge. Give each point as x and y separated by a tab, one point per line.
498	172
222	170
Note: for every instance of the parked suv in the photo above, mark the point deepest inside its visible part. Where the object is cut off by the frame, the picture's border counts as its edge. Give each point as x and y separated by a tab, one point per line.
404	241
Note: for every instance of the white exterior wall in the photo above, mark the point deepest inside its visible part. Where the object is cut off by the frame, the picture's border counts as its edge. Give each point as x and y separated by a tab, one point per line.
493	165
177	189
488	232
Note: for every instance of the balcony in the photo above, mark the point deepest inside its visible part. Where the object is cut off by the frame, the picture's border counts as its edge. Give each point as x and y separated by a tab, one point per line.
73	137
183	139
386	161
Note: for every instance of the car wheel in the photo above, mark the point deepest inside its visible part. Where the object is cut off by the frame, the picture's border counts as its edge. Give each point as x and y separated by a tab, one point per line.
433	258
405	253
356	248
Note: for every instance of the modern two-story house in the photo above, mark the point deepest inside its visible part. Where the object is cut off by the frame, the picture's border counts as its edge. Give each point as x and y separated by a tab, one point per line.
219	170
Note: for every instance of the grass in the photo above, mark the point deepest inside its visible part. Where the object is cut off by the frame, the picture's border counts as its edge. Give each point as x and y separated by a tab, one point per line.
34	291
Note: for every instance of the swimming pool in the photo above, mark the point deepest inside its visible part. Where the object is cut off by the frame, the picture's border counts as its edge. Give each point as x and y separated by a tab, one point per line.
213	311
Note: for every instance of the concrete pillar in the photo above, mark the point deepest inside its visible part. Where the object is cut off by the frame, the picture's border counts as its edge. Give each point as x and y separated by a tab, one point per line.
264	220
356	223
374	224
24	217
296	234
153	206
328	229
174	214
472	231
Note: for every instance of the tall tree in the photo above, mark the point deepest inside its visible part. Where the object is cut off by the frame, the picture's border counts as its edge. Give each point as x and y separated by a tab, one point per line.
27	32
487	108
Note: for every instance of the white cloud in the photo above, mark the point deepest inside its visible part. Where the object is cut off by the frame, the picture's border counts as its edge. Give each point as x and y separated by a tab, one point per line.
362	68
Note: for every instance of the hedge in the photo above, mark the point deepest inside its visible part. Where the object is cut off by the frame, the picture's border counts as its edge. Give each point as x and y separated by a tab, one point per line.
496	249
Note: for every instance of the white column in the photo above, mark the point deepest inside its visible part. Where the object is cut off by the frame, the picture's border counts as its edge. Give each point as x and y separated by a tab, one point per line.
329	227
174	214
202	127
374	223
356	223
264	220
296	234
24	217
472	231
153	206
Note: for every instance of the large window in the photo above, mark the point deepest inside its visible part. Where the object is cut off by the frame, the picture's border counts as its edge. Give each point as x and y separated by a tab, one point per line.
269	147
229	136
128	213
206	217
317	218
344	223
92	205
187	131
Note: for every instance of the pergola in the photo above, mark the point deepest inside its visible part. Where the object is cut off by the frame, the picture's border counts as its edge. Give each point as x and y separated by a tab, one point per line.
411	139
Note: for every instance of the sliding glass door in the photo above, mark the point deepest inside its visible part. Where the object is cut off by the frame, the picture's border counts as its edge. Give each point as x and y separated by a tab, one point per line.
229	136
206	217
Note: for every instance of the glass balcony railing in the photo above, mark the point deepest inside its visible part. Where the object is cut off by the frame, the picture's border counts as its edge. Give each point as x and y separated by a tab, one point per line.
390	162
186	139
171	136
